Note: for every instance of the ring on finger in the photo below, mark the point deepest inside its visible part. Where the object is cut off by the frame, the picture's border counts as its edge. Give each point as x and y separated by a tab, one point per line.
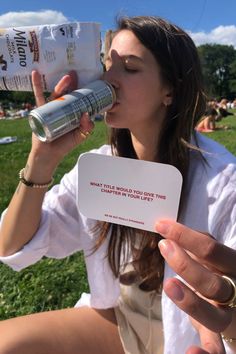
84	135
231	302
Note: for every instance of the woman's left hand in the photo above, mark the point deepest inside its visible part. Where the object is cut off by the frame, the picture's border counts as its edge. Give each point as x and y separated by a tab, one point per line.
200	261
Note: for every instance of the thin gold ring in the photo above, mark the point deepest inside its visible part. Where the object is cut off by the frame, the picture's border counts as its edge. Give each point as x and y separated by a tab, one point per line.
231	302
84	134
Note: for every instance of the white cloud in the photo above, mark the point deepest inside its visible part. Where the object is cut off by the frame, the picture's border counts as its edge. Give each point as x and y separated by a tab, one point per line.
28	18
219	35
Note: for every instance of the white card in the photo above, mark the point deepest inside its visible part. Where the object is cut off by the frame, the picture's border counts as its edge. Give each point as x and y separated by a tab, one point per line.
128	191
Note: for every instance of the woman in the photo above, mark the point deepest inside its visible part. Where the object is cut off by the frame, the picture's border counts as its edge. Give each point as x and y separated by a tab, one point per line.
154	68
223	110
207	123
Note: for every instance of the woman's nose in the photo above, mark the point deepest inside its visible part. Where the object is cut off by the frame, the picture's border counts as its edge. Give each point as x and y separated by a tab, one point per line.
111	77
113	69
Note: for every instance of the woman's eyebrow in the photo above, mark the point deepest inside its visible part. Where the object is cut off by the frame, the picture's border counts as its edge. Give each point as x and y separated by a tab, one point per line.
132	58
126	58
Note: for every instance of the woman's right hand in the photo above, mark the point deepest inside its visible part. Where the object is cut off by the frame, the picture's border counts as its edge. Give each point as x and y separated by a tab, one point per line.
52	153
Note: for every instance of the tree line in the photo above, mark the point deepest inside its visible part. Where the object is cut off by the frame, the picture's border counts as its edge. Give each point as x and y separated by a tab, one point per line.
219	70
219	73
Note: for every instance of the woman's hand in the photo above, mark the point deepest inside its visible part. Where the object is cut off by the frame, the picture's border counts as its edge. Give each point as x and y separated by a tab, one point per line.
57	149
200	261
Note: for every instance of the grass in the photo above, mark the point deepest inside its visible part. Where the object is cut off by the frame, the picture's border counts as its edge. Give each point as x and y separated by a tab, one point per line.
226	137
52	284
13	156
49	284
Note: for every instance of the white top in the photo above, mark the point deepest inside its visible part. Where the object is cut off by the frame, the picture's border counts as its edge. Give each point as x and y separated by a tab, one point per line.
211	207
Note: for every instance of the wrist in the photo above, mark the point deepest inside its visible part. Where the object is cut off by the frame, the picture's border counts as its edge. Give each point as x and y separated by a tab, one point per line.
32	184
37	172
40	168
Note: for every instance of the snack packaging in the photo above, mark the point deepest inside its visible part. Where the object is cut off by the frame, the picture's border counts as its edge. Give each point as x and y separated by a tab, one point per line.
53	50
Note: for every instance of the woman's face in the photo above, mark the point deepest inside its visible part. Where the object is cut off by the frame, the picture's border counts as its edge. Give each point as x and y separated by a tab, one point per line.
141	95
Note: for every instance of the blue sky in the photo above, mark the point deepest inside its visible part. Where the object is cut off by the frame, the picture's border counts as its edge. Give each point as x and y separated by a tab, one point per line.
206	20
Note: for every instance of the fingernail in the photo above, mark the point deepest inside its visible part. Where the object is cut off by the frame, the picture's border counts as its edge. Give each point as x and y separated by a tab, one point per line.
176	293
166	247
162	227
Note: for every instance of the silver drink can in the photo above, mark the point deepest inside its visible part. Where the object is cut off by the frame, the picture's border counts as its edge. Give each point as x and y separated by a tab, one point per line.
63	114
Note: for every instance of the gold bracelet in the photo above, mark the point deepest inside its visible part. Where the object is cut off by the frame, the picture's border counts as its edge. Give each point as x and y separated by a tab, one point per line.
32	184
228	340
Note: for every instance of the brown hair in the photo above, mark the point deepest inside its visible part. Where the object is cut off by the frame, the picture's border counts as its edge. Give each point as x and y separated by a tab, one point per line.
178	59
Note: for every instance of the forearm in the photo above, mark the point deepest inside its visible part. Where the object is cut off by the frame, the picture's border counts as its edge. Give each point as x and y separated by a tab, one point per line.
22	218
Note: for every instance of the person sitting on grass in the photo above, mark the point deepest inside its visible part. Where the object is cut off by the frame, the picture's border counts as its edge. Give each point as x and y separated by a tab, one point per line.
223	110
207	123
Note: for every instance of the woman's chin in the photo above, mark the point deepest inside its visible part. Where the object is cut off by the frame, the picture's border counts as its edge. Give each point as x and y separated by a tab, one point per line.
110	120
113	120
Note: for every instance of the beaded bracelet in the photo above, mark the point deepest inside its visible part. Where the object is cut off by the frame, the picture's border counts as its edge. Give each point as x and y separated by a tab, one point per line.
32	184
228	340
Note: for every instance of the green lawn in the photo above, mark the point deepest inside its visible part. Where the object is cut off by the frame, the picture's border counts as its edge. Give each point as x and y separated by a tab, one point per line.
52	284
226	137
13	156
49	284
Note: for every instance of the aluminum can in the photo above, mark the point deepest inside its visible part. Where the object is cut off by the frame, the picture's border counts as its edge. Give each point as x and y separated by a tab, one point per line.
63	114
